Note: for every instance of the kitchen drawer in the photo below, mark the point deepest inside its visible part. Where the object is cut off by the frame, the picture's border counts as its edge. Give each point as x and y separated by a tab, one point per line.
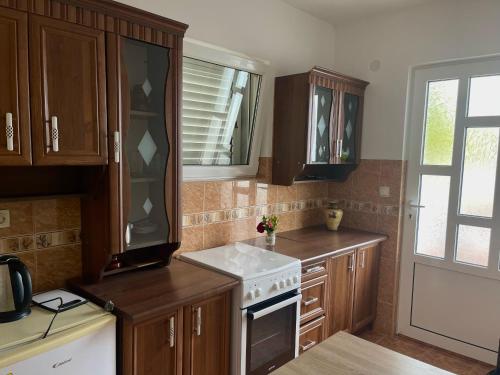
311	334
313	270
313	302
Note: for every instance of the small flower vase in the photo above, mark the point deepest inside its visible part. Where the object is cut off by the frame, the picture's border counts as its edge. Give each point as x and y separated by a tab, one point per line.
271	239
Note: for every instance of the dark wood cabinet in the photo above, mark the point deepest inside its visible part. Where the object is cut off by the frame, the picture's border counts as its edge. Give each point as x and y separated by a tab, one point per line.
207	333
158	346
15	140
341	272
365	287
317	126
68	93
314	301
311	334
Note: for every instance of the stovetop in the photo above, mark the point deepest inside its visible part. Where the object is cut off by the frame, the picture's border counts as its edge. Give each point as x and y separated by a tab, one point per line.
242	261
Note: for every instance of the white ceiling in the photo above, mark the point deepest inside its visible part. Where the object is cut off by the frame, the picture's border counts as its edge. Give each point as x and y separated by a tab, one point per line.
342	11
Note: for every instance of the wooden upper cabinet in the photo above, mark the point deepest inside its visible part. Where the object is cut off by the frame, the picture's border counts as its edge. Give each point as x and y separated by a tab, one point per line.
208	325
317	126
341	292
365	291
157	347
15	147
68	86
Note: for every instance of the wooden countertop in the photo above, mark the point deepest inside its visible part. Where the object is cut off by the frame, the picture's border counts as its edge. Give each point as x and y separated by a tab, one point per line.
144	294
343	353
315	243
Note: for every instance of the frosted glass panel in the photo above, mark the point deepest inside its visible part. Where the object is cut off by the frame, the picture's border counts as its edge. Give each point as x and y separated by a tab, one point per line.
484	96
473	245
440	122
432	218
479	172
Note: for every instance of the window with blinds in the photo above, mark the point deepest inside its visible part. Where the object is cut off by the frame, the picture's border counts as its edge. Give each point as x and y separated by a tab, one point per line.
219	111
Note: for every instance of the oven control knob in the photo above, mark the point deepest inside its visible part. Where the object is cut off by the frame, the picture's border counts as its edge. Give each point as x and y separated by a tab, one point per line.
251	295
276	286
258	292
282	284
295	279
289	281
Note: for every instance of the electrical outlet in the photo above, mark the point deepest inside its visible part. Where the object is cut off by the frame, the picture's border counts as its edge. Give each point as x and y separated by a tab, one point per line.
384	191
4	218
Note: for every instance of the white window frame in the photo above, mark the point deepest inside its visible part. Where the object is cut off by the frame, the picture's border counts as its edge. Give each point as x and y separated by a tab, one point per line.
218	55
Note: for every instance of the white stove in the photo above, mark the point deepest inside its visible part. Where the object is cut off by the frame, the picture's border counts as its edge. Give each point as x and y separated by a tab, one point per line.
265	306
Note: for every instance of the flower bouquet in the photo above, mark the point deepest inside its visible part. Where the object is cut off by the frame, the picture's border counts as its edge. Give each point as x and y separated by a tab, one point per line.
269	224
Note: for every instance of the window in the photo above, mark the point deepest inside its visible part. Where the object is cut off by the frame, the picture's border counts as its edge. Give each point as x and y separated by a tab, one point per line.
220	107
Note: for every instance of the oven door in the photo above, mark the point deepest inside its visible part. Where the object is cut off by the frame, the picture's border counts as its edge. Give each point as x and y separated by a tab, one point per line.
272	333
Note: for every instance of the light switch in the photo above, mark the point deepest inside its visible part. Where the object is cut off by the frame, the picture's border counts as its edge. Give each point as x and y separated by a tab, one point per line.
384	191
4	218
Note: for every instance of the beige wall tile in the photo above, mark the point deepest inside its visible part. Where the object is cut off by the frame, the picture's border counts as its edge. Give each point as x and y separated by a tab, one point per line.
244	193
21	218
287	193
384	322
9	245
218	195
216	235
387	274
57	265
56	214
287	221
309	218
266	194
192	239
311	190
193	197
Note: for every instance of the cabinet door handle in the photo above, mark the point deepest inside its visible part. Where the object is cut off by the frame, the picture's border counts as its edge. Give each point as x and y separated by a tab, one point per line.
198	321
363	254
9	130
310	301
171	332
307	345
314	269
351	263
54	134
116	146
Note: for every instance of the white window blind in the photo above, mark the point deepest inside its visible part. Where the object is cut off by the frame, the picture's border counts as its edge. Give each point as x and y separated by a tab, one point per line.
214	98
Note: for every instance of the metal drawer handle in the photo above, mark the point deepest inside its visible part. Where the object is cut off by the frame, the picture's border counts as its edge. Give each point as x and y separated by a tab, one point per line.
54	134
310	301
171	332
351	263
9	130
198	321
363	254
308	345
315	269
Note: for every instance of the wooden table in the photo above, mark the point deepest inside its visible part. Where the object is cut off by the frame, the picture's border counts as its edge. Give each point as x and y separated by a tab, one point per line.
346	354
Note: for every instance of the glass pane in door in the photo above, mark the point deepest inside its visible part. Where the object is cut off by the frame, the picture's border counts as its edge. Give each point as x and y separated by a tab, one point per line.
351	106
473	245
439	129
320	134
146	145
479	172
483	96
433	215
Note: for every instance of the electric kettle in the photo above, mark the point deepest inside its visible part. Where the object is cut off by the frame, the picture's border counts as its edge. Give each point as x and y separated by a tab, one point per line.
15	289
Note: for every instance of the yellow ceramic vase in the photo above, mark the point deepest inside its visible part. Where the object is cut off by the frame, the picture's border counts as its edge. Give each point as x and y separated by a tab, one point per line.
333	215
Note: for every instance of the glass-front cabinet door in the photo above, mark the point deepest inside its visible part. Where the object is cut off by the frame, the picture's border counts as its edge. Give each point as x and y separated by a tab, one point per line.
320	132
348	128
145	144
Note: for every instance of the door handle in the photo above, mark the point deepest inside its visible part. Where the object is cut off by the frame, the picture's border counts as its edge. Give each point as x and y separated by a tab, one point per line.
54	134
363	254
198	321
9	130
351	263
171	332
116	146
418	206
310	301
309	344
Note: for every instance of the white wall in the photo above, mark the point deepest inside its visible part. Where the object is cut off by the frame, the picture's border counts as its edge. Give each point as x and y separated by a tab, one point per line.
436	31
291	40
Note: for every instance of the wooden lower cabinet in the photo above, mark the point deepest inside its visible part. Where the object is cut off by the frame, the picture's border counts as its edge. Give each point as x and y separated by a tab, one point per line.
207	333
313	302
365	287
341	271
193	339
311	334
158	346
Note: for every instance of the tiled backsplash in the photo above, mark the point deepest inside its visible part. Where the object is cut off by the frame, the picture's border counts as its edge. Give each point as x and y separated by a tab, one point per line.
45	234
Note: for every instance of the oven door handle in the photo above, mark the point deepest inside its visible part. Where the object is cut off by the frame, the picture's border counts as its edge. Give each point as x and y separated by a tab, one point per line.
253	315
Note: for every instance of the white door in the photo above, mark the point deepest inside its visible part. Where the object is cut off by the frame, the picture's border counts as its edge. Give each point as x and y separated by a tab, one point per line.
450	278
